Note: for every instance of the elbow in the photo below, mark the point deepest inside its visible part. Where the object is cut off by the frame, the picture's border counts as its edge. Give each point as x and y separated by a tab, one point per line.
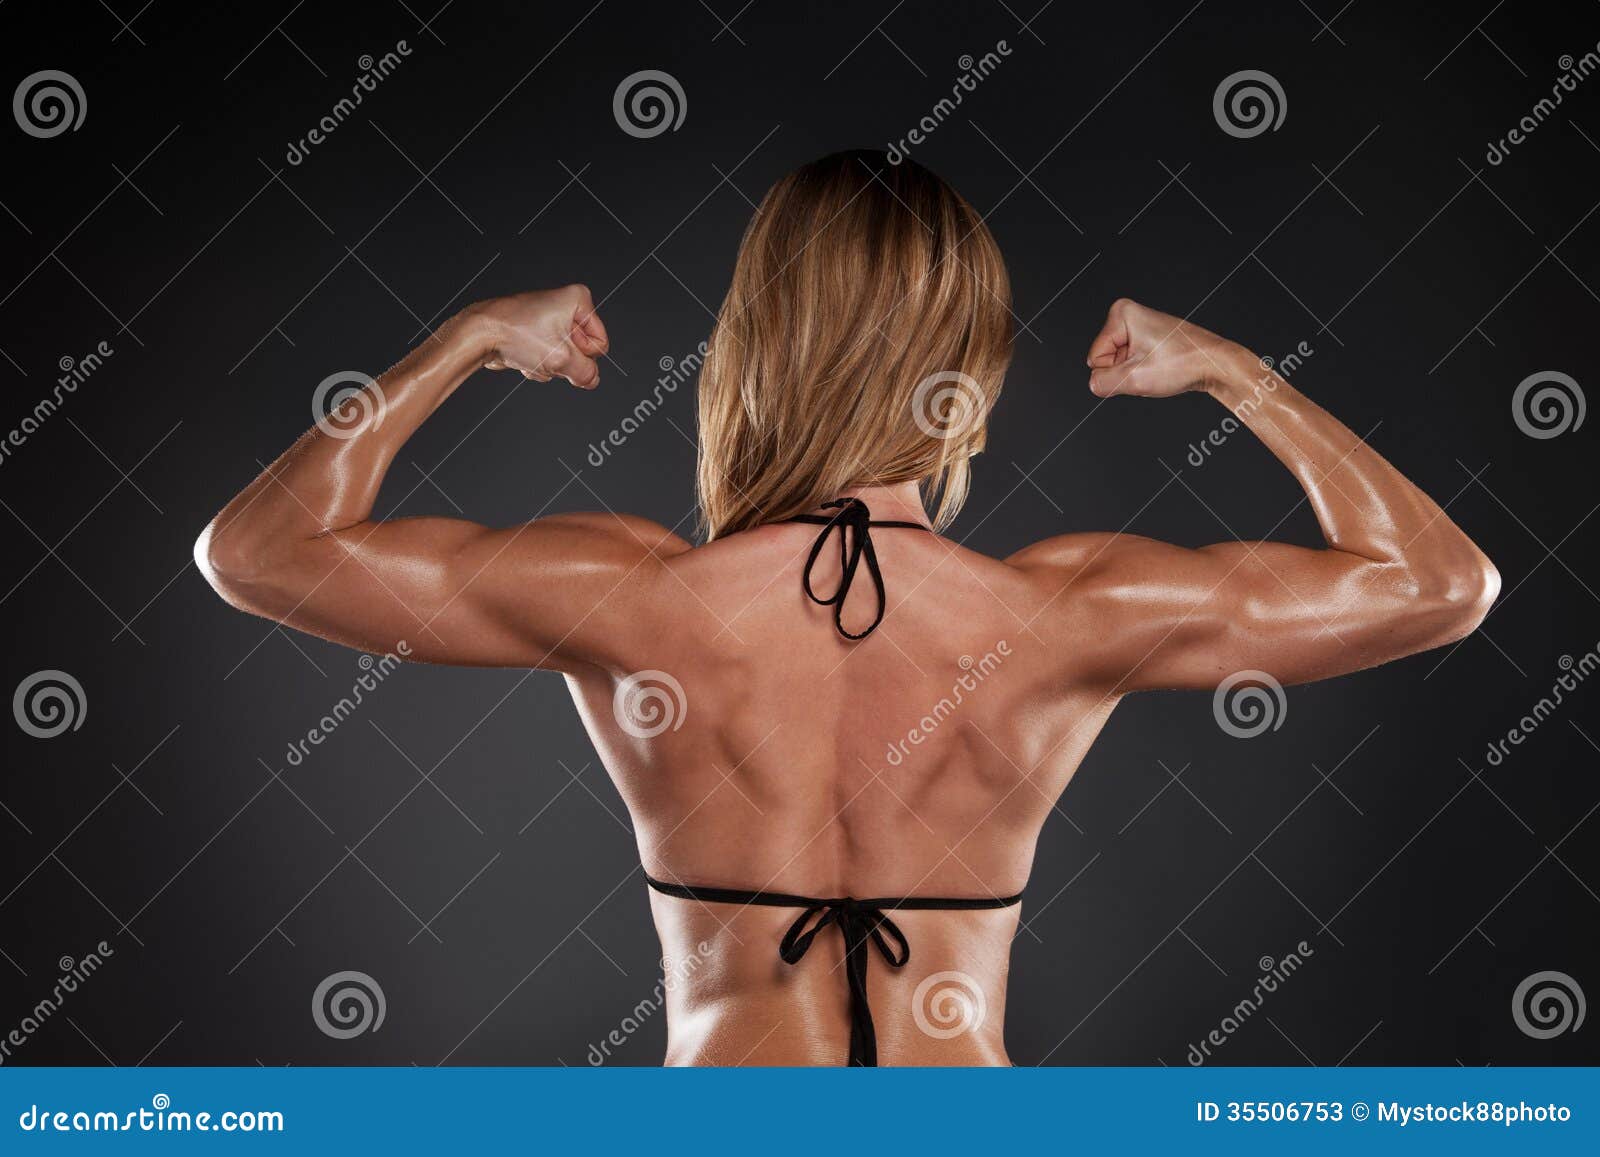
1458	598
233	563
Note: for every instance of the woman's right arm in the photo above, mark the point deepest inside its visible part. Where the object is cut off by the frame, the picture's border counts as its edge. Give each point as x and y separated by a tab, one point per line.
1396	576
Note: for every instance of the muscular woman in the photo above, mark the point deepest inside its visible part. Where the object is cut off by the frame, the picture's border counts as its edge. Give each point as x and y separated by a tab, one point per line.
865	722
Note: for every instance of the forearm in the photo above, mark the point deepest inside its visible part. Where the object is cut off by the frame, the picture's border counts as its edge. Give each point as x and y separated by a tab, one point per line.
329	481
1363	504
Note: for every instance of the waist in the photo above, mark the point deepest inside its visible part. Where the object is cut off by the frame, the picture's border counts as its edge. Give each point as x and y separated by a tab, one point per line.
733	1000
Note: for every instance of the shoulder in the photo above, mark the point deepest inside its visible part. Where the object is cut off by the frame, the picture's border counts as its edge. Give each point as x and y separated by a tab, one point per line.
1090	556
621	535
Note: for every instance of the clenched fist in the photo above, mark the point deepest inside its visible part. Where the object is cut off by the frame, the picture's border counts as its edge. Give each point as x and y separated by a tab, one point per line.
1149	354
544	334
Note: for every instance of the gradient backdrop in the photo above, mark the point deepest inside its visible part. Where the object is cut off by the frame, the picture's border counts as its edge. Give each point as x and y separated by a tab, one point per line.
455	839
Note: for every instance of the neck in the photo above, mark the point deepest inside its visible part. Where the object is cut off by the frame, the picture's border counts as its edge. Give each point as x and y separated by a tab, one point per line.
900	502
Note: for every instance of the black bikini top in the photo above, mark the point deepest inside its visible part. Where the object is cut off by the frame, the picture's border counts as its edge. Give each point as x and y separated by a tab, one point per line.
853	522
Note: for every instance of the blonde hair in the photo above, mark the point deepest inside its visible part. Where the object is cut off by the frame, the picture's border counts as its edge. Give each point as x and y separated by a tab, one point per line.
864	337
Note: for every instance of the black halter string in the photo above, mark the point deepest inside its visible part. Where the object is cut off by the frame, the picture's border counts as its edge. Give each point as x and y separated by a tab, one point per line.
853	521
862	923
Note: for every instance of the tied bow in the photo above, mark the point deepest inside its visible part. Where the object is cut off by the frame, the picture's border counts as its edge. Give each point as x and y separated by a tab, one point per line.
862	923
853	522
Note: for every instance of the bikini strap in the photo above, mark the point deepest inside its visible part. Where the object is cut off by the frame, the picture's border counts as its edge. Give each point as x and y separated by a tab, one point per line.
854	522
864	924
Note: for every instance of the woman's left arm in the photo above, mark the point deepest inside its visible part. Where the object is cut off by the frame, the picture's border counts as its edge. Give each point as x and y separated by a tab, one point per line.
298	545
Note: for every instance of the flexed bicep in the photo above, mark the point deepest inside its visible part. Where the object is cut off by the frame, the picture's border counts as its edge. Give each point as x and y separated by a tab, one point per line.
1396	576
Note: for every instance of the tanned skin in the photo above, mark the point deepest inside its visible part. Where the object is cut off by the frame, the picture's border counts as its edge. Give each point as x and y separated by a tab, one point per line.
781	774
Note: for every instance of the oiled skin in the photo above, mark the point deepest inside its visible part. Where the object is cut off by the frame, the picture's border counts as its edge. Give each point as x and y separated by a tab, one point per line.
778	773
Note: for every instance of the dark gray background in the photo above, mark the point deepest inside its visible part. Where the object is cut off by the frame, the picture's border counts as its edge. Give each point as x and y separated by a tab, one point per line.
230	283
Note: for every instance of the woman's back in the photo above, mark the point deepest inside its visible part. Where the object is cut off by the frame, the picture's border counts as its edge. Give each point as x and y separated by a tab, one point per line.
758	749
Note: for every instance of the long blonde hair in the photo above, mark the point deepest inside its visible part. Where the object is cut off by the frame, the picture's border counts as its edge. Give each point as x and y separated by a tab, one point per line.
862	341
